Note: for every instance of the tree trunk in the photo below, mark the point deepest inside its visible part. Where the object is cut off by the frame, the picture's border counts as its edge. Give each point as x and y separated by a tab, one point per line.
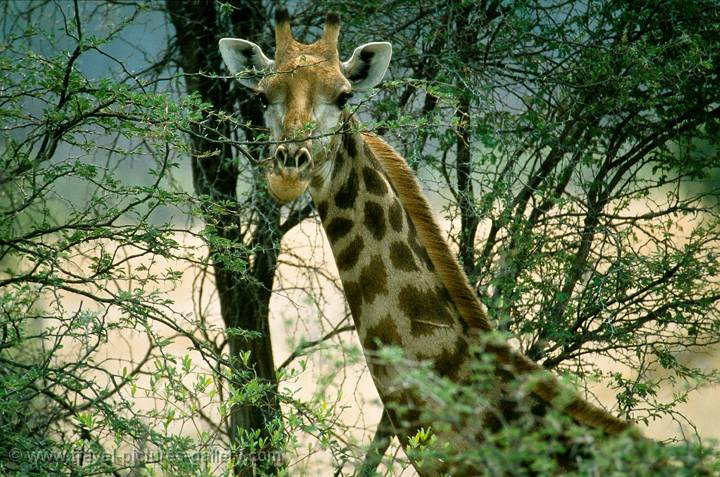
244	295
469	219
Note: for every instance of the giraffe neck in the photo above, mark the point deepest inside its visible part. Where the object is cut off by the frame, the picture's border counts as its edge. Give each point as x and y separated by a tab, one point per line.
395	295
398	298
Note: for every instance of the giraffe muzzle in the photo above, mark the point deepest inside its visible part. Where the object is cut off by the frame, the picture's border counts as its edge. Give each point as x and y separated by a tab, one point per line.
289	175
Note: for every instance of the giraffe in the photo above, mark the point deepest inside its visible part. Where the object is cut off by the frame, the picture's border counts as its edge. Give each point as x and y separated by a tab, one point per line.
403	286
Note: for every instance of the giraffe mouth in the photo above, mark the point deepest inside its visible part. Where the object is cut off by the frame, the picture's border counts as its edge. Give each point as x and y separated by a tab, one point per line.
288	183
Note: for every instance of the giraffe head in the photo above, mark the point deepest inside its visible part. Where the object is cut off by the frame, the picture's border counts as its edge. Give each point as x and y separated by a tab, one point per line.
304	91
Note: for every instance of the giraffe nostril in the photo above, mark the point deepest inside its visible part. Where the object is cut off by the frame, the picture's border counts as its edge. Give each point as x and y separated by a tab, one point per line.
302	157
281	156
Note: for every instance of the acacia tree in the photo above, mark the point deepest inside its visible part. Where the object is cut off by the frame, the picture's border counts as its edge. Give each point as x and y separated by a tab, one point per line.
582	133
251	231
78	247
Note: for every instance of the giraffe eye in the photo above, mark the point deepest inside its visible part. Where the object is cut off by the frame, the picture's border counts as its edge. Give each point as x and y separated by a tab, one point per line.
263	99
342	100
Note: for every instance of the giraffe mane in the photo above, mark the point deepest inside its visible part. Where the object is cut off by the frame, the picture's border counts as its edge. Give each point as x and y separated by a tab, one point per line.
547	387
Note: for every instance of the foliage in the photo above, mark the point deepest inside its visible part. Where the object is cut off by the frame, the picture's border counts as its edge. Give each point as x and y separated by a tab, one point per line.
87	251
570	145
591	130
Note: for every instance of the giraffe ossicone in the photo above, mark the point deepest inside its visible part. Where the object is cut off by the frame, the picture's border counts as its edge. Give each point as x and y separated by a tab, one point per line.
403	285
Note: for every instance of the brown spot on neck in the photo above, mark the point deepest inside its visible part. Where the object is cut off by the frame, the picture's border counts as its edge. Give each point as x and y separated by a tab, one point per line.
338	165
449	362
350	144
402	257
374	184
338	228
348	258
395	216
426	311
345	198
353	293
373	279
322	209
384	333
419	250
375	220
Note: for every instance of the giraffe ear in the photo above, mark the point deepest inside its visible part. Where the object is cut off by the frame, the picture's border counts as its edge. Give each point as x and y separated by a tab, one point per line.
245	60
367	65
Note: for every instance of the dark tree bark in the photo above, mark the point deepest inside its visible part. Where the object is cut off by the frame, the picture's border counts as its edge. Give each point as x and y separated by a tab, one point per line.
469	26
244	295
469	219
